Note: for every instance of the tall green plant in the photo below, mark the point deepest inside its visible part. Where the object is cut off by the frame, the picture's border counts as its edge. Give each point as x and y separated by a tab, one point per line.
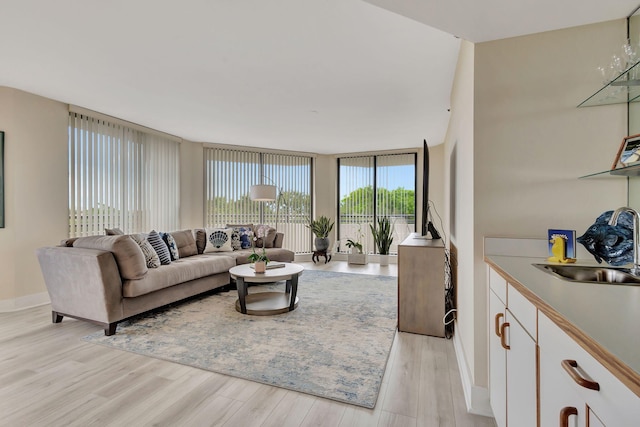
321	227
382	235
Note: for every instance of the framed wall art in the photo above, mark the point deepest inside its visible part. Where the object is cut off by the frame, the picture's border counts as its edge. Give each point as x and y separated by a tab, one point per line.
628	152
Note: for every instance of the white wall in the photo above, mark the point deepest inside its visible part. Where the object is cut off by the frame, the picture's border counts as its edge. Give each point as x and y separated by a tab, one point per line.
459	213
36	187
529	145
191	185
325	197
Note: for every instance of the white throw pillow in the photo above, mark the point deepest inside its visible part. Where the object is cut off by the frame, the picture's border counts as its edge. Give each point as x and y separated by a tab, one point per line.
218	240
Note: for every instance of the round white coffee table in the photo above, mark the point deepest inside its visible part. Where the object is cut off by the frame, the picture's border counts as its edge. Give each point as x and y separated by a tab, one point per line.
266	303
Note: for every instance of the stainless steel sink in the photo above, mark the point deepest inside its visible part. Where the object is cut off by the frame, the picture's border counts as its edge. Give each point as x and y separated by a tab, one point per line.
588	274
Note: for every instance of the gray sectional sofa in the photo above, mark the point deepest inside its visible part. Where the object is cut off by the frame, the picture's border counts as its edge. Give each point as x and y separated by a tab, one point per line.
105	279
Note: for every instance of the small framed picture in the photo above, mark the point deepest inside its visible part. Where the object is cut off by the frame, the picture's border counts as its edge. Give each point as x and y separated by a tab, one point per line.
628	153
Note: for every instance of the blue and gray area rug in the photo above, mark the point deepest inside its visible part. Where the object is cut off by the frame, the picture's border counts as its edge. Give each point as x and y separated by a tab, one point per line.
334	345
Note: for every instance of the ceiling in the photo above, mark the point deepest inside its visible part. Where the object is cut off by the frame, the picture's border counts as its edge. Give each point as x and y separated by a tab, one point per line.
322	76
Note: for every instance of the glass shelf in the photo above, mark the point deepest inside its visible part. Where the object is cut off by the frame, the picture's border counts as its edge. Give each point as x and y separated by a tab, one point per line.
633	170
623	89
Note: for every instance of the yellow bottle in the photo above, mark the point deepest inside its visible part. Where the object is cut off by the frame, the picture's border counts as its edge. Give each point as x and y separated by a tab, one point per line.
559	250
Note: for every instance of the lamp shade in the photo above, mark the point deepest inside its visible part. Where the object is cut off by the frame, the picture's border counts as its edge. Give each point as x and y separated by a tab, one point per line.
263	193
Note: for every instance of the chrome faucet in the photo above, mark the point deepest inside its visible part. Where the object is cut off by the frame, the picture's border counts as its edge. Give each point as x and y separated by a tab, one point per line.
636	236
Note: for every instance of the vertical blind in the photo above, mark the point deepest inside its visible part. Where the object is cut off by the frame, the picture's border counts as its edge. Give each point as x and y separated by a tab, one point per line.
229	174
355	210
371	187
120	177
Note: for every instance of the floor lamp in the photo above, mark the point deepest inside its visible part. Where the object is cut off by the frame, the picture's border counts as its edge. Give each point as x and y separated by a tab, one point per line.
264	193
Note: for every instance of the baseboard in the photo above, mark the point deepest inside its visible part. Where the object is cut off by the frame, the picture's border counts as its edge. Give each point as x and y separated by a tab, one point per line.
21	303
343	256
476	398
302	258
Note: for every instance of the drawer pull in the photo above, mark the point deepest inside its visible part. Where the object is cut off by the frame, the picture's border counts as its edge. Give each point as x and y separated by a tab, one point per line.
570	366
565	413
498	317
503	336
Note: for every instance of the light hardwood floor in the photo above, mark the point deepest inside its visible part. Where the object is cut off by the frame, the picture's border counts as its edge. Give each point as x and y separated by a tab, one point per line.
50	377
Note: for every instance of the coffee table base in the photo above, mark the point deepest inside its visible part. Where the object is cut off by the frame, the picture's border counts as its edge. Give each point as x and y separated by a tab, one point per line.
267	303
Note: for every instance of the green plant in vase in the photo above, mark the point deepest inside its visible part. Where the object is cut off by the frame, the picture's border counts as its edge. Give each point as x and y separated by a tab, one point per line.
355	244
321	229
383	237
257	257
260	260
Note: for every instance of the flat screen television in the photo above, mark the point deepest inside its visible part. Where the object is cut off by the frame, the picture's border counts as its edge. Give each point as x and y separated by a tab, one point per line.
427	225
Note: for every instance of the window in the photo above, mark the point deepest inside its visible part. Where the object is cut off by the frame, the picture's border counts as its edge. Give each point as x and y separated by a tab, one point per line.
230	173
371	187
121	177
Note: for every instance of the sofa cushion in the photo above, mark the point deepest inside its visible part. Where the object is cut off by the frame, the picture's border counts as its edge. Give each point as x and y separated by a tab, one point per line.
68	242
277	243
185	242
218	240
150	256
201	239
160	247
128	255
113	232
179	271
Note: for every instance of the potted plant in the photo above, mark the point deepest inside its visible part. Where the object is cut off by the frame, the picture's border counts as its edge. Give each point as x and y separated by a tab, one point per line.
321	229
356	256
383	237
259	260
356	247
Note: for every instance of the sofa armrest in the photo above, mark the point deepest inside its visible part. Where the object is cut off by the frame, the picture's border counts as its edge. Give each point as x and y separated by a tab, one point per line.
277	243
82	283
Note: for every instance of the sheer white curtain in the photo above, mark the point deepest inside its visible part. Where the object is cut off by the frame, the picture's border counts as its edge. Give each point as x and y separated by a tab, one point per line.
120	177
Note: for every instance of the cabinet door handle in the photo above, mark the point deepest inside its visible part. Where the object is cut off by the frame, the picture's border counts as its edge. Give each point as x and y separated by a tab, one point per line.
570	366
565	413
497	319
503	336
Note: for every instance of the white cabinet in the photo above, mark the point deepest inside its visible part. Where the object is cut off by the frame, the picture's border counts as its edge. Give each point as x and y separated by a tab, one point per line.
512	355
571	378
497	361
521	375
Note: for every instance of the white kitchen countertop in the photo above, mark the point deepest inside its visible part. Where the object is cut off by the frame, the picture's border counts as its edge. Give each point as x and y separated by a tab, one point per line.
603	316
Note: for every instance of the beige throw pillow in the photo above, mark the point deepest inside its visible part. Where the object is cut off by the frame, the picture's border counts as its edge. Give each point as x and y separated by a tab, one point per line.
150	255
185	242
266	234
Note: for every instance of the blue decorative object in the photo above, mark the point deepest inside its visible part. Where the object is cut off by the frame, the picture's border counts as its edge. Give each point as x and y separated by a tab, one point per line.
613	244
245	237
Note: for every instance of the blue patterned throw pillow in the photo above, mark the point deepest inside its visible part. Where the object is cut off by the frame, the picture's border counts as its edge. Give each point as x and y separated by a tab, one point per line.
171	244
244	237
